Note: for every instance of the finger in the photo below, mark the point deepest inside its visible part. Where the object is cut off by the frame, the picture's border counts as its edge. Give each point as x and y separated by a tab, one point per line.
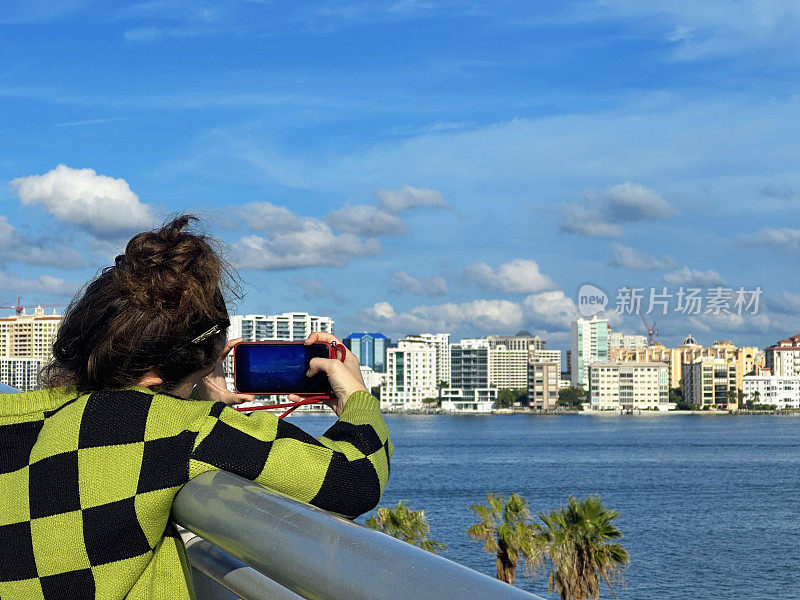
293	398
322	365
322	336
229	345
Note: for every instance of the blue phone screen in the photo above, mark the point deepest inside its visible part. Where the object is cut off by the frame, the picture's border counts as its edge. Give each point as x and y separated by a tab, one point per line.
279	368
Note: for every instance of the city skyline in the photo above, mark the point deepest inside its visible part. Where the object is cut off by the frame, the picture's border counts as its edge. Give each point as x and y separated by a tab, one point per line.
469	186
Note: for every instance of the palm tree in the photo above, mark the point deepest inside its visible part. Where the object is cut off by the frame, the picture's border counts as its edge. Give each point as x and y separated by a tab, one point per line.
504	530
404	524
577	540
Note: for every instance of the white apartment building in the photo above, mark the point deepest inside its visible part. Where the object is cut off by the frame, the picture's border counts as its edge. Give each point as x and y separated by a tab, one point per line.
710	381
440	342
508	369
287	327
629	386
626	341
411	375
589	345
20	373
783	358
29	335
781	391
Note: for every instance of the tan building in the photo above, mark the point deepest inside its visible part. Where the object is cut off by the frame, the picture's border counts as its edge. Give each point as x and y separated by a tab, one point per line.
28	336
711	381
745	359
543	378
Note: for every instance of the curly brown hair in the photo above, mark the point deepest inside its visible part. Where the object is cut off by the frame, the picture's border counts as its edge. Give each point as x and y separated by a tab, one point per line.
142	314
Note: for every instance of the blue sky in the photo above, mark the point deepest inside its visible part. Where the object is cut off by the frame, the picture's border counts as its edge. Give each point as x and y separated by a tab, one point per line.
414	166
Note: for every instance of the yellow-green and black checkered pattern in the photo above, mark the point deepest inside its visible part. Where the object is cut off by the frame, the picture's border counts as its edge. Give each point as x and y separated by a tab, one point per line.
87	483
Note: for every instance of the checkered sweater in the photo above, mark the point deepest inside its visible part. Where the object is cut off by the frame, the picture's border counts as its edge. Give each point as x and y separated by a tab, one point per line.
87	483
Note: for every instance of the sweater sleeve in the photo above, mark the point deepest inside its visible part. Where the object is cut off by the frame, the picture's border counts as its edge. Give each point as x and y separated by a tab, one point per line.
344	471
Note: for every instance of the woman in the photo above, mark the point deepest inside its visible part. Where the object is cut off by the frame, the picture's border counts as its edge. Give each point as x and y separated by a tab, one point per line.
89	466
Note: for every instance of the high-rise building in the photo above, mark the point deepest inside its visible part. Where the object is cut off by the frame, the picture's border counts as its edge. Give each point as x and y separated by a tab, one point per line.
522	340
783	358
369	349
629	386
508	369
410	375
287	327
26	345
440	342
29	335
469	365
543	377
470	386
711	381
589	345
21	373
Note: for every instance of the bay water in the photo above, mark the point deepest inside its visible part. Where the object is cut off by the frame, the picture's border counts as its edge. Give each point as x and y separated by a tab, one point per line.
709	504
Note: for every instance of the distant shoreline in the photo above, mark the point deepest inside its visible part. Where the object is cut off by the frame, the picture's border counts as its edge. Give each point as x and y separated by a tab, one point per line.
602	413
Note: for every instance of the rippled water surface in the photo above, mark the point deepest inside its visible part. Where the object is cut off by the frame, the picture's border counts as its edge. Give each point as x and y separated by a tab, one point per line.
709	505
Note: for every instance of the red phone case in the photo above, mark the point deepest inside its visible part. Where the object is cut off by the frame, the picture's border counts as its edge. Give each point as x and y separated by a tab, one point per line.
333	351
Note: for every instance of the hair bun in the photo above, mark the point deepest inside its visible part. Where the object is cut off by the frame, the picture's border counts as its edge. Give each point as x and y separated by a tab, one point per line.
170	271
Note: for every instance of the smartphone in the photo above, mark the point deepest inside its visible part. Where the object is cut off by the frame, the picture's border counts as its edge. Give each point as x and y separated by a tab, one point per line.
279	367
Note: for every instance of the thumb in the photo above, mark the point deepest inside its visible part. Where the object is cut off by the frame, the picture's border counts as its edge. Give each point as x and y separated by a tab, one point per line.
322	365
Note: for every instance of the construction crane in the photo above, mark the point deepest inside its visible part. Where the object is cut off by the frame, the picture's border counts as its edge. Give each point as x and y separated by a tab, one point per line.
652	332
19	307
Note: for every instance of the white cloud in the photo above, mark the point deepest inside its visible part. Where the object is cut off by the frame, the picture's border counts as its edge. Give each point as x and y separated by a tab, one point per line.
785	303
313	245
365	219
44	284
102	205
401	282
550	310
18	247
584	221
518	276
409	197
781	240
625	257
601	213
265	216
481	315
629	202
694	277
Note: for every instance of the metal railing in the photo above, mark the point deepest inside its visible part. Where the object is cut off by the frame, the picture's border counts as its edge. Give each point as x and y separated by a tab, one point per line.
260	544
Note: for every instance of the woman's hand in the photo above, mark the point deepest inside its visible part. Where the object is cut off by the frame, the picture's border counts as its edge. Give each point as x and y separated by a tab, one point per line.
213	386
344	377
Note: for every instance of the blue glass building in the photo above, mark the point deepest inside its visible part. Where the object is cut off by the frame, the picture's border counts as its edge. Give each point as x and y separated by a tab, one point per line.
369	348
